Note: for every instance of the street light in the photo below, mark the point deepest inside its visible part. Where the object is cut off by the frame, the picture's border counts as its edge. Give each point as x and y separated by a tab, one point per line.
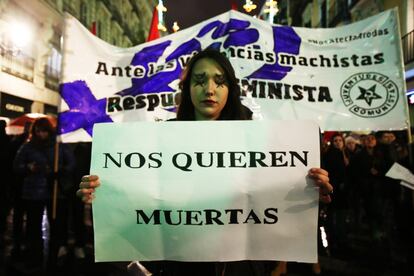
249	6
16	35
175	27
20	34
161	9
271	10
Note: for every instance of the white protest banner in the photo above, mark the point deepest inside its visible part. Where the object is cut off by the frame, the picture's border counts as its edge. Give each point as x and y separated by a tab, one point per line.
401	173
206	191
407	184
345	78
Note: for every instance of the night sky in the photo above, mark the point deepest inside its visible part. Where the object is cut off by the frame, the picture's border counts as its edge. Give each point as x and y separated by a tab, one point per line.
187	13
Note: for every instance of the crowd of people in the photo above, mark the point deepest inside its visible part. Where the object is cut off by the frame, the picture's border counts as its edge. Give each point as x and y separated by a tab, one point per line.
29	175
366	202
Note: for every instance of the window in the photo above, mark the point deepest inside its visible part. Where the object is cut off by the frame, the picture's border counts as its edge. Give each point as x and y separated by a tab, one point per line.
323	15
52	70
84	14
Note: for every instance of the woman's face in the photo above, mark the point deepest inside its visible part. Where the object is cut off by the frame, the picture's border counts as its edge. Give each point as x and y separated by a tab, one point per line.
41	134
370	141
208	89
351	145
338	142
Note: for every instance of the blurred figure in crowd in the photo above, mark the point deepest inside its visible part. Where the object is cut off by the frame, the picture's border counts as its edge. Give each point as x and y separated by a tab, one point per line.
335	162
5	172
16	196
362	139
391	151
388	146
352	147
34	161
83	152
71	207
368	167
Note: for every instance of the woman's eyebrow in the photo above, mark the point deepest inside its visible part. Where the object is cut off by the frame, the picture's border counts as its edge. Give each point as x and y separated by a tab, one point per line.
199	75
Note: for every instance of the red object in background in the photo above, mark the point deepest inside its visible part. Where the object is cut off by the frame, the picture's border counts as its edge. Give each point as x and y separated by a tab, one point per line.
93	28
26	118
154	33
327	135
17	125
234	5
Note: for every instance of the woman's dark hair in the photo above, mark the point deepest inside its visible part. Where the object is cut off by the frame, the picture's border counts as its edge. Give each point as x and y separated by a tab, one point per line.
338	134
41	124
233	110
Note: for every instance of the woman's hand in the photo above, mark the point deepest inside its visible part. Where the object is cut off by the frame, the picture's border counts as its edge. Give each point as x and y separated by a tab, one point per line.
322	181
87	188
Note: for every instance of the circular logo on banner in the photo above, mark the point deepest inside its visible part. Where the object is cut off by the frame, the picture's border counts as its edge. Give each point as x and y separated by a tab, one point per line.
369	95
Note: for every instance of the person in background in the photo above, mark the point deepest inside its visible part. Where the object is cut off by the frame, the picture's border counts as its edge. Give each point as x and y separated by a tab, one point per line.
210	91
6	176
389	152
388	146
35	160
368	164
71	207
16	196
352	147
335	162
82	153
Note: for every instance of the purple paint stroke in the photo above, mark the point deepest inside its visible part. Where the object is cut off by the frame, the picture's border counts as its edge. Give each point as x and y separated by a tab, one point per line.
160	81
84	109
222	29
238	34
241	38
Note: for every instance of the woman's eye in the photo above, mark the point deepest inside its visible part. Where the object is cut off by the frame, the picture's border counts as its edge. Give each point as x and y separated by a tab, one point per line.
198	82
220	82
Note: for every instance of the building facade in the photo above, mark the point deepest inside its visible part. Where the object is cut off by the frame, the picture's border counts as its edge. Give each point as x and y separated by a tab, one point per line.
30	45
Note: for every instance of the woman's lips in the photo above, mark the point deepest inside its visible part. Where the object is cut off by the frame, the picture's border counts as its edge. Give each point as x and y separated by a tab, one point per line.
208	102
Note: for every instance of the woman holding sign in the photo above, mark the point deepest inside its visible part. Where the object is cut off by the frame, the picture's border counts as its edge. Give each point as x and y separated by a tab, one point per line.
210	91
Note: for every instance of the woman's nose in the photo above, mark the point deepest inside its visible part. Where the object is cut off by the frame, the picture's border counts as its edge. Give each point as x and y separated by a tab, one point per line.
210	87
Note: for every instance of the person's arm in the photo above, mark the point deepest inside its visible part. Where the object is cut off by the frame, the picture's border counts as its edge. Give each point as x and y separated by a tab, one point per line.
21	164
69	162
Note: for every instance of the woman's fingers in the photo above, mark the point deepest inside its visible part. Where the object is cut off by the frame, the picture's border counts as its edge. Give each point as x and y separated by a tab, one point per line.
90	177
88	198
318	172
321	178
86	194
324	186
87	188
89	181
90	184
79	193
325	198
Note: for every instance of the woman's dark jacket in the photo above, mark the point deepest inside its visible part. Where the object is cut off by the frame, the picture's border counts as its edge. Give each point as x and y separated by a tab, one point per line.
38	185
